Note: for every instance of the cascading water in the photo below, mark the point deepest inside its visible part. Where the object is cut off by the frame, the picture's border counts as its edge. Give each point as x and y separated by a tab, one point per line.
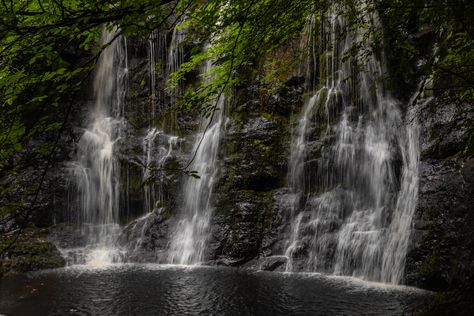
355	206
157	145
96	170
157	149
190	239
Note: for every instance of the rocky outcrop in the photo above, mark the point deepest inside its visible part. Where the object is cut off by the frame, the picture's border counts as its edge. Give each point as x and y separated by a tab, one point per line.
254	156
146	238
442	254
31	252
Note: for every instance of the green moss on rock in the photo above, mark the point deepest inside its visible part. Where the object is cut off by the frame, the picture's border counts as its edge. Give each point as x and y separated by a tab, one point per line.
31	252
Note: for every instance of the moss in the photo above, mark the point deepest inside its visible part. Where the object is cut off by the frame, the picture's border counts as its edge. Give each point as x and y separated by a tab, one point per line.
323	59
277	68
168	122
440	300
30	252
469	145
166	213
267	115
430	265
260	146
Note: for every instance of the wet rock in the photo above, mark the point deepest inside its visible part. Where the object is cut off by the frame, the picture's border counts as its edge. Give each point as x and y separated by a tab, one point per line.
66	236
254	160
441	255
446	125
255	155
444	255
31	252
146	238
272	263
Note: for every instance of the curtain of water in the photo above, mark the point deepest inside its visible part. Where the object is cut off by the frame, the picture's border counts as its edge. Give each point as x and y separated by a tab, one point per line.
354	218
190	238
189	241
96	169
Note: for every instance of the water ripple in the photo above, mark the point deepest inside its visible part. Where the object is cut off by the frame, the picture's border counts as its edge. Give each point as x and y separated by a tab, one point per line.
127	289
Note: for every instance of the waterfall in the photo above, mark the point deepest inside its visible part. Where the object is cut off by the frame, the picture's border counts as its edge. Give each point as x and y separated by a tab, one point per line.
96	169
357	196
190	239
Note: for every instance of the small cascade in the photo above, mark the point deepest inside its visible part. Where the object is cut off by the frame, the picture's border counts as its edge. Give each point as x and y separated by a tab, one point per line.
355	175
165	56
393	260
163	60
191	234
174	60
293	242
149	189
157	56
157	149
96	170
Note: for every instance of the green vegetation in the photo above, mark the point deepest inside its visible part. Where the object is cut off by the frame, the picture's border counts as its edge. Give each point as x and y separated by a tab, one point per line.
438	35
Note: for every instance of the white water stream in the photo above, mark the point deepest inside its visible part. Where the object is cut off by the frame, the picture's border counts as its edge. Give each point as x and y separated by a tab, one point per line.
189	242
355	217
96	170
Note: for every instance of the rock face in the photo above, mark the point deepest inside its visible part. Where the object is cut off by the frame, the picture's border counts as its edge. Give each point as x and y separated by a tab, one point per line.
31	252
248	216
254	159
146	238
442	254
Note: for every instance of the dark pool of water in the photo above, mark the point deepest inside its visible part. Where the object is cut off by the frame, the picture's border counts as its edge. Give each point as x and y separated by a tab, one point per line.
168	290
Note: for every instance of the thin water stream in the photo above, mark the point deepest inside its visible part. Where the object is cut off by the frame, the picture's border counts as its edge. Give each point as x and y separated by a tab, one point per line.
192	232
